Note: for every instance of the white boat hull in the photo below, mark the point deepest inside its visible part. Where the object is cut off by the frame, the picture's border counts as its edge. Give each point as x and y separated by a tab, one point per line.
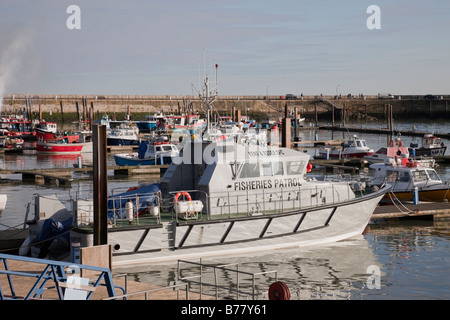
199	239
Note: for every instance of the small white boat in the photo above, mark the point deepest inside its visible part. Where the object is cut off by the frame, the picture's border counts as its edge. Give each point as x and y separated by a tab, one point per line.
352	148
149	153
122	136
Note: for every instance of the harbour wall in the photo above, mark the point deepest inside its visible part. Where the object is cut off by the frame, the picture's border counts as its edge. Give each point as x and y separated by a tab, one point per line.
259	107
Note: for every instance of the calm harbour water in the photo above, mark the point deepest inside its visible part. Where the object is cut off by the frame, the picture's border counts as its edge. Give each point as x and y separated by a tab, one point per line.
412	256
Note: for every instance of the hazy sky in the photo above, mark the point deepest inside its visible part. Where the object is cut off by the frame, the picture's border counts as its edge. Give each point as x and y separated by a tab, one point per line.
279	47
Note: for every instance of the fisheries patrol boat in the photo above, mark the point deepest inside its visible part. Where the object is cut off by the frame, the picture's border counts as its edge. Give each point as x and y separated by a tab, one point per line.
224	197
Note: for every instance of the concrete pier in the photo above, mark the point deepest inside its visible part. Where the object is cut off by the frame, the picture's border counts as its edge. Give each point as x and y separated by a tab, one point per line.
316	107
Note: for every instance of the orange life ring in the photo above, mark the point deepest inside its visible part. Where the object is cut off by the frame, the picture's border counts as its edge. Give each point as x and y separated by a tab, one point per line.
184	193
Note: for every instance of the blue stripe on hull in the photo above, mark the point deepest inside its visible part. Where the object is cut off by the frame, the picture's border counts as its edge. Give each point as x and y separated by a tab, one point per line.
121	142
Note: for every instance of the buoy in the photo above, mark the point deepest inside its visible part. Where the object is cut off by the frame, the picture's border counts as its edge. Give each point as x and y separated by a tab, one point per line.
184	193
279	291
309	167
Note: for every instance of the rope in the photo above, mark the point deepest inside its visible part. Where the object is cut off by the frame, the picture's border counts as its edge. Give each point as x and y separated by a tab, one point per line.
395	204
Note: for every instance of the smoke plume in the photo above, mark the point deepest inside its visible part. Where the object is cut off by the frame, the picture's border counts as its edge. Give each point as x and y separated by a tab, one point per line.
11	60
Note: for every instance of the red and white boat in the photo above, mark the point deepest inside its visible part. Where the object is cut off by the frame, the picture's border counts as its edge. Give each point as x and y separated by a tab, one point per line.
394	149
62	146
352	148
48	131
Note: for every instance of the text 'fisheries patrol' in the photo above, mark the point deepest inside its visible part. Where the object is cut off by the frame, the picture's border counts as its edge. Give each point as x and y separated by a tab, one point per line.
266	153
267	184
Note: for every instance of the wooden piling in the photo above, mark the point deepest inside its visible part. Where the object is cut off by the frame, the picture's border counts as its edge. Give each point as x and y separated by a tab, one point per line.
62	111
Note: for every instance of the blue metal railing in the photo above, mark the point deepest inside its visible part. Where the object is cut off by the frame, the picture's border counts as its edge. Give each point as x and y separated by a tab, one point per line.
54	275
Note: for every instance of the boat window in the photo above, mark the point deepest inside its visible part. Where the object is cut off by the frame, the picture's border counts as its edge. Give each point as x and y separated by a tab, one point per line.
167	148
391	175
250	170
358	143
433	175
419	175
294	167
267	169
278	168
403	176
157	148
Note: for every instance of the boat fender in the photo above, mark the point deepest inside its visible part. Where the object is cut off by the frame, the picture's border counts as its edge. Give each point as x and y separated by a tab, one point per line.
129	210
184	193
132	188
279	291
24	249
309	167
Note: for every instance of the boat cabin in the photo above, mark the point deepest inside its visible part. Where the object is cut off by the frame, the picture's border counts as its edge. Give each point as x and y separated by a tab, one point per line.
233	178
405	176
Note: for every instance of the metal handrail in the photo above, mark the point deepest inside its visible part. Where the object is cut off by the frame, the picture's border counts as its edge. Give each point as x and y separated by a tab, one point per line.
224	267
147	292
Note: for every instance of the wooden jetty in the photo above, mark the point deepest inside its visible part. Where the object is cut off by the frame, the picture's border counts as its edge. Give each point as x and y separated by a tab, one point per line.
436	210
63	176
387	131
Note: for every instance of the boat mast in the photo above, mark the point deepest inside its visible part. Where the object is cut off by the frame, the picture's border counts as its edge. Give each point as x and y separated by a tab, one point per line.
208	98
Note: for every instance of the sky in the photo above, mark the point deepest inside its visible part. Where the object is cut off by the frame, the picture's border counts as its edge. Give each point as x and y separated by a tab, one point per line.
149	47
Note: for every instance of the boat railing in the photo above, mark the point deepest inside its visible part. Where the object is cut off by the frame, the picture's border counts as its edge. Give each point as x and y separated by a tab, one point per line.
136	209
262	202
217	205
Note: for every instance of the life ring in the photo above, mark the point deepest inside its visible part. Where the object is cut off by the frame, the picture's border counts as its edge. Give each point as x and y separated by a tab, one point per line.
279	291
184	193
399	143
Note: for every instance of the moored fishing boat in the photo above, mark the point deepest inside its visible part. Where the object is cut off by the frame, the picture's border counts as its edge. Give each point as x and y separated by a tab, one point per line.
432	146
394	149
149	153
408	177
122	136
352	148
62	146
